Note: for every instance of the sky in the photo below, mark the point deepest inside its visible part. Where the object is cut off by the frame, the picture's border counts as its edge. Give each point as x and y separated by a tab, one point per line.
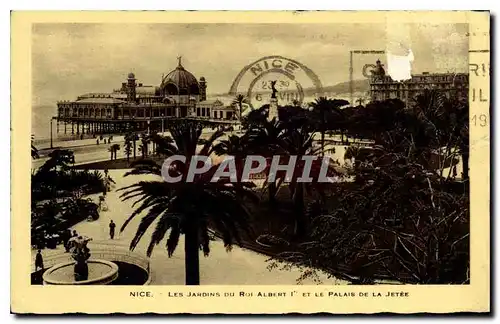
72	59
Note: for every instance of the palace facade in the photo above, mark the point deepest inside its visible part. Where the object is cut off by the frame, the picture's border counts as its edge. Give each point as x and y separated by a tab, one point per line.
140	107
383	87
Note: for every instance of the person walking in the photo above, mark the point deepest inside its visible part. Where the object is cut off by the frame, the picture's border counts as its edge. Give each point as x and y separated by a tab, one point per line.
39	260
112	226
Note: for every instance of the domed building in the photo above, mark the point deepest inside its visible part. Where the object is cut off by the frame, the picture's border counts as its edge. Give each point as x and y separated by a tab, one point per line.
136	106
180	82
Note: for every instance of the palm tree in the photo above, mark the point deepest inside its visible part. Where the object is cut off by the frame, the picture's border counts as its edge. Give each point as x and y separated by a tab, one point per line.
327	113
235	146
127	147
445	126
134	138
299	142
238	101
265	139
59	160
189	208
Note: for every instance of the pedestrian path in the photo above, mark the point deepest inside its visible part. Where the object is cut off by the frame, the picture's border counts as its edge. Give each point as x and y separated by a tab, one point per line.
238	267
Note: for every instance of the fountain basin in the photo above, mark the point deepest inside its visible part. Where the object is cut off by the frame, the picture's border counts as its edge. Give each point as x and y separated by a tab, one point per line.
101	272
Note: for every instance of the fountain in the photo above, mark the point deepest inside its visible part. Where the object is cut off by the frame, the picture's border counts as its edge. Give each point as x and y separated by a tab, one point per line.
81	271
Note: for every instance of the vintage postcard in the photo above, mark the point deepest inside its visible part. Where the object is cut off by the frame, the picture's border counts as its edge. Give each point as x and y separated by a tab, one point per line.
250	162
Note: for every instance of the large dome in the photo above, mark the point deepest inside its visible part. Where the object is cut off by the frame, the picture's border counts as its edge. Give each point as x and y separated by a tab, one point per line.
180	81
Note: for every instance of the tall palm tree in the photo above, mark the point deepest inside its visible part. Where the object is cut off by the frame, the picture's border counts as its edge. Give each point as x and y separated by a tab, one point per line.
238	101
298	142
134	138
265	139
327	113
446	125
189	208
127	147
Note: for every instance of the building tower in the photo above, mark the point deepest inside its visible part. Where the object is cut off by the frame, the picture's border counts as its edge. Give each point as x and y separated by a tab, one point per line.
131	97
203	89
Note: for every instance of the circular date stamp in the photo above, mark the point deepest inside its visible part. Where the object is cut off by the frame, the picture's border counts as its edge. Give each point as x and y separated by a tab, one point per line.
294	81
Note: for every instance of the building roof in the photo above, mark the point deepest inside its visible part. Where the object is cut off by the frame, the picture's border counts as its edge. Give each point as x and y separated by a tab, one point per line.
184	80
147	90
100	100
226	101
211	102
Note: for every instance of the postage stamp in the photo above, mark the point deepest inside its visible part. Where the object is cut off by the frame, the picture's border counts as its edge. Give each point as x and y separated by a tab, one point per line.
147	191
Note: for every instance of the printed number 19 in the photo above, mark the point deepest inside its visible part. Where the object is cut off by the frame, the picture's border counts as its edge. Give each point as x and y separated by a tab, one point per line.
480	120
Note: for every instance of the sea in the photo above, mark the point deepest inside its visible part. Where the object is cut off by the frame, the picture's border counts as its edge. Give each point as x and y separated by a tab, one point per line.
40	122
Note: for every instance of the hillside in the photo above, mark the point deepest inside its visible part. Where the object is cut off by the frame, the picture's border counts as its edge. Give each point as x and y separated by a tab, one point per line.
359	86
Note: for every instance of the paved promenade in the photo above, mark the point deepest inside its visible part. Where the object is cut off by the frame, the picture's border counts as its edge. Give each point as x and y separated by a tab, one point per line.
238	267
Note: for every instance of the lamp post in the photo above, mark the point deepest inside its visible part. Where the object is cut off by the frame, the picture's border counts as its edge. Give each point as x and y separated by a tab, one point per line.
51	143
162	124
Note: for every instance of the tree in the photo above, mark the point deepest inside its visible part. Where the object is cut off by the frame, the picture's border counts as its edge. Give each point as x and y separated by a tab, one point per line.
57	190
59	160
298	142
189	208
327	115
401	218
134	138
257	116
238	102
264	139
127	147
446	125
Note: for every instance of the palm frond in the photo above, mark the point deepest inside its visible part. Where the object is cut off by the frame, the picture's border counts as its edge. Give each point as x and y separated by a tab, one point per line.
173	240
163	225
144	166
146	221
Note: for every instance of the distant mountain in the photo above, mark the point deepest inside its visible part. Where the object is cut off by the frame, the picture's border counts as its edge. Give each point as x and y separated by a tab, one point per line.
343	87
358	86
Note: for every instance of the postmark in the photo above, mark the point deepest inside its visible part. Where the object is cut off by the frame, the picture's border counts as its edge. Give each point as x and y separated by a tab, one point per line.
294	81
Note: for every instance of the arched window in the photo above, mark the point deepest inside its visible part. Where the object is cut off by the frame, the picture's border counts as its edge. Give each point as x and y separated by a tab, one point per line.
171	89
103	113
91	112
194	89
80	112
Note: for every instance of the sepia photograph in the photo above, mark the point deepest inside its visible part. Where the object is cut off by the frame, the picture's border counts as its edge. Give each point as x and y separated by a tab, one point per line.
240	153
